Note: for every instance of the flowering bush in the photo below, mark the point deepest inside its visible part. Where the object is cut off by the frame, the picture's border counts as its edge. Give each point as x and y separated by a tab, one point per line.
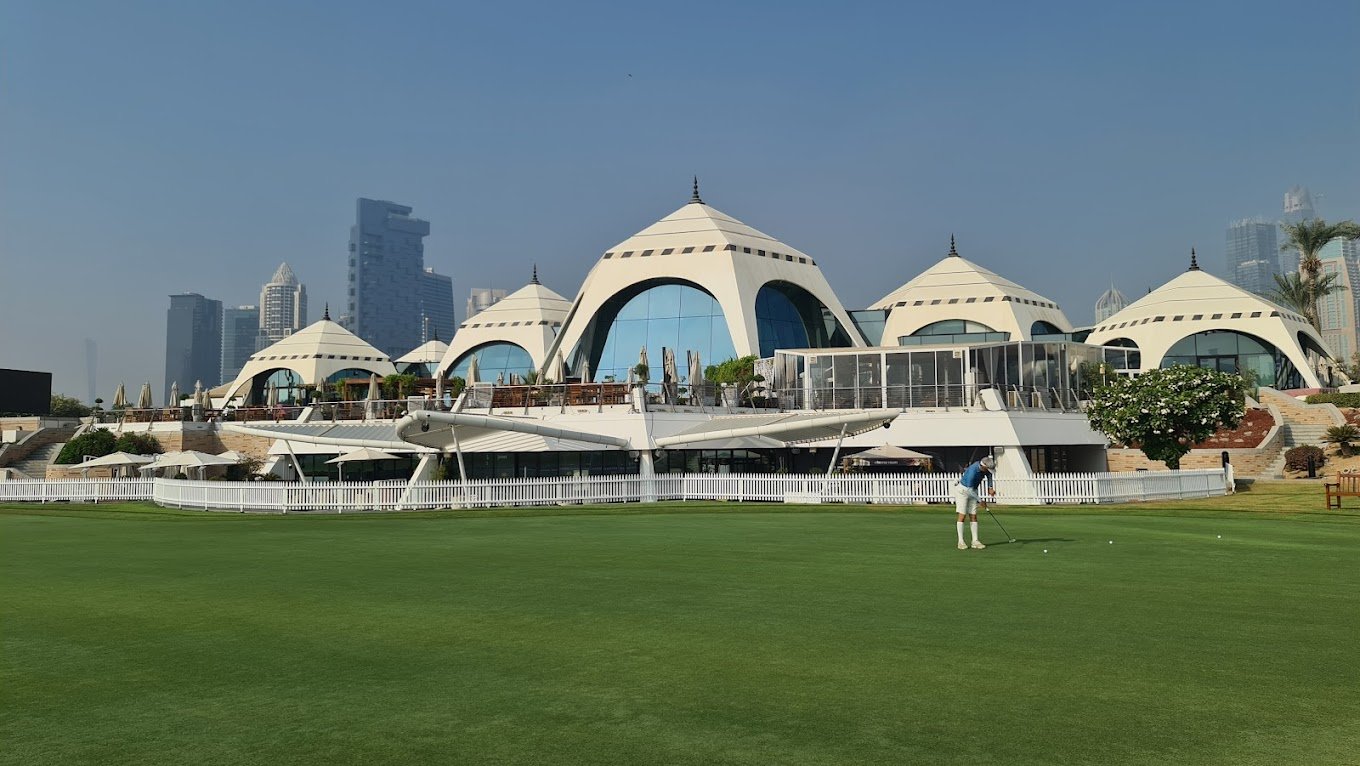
1163	412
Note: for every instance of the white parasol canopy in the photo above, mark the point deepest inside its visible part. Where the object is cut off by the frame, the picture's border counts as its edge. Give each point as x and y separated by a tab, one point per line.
144	397
472	371
187	459
115	460
359	455
174	395
119	397
558	373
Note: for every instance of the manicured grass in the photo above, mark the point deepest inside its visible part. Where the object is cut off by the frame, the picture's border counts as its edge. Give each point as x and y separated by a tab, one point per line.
679	634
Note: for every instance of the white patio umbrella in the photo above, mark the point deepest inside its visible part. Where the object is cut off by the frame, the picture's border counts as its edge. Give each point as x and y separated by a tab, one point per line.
144	397
558	373
696	369
232	454
271	397
438	389
359	455
500	379
116	461
187	459
174	395
374	391
198	392
119	397
585	370
472	371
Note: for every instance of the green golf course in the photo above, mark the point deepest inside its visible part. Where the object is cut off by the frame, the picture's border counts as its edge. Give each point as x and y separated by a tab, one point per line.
1218	631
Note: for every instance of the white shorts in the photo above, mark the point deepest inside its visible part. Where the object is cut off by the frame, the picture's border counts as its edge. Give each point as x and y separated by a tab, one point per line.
966	500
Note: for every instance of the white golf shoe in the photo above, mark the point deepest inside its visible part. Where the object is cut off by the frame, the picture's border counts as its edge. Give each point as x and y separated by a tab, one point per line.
977	545
963	546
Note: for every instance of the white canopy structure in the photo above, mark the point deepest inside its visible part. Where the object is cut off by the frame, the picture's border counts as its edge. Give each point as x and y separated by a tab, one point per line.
187	459
527	319
425	357
713	258
958	297
363	454
117	461
313	354
1200	319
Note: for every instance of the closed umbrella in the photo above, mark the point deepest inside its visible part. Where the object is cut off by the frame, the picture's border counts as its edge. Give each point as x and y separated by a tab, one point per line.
500	378
696	369
174	395
642	359
472	371
585	370
438	389
668	374
271	397
558	373
120	397
374	392
144	397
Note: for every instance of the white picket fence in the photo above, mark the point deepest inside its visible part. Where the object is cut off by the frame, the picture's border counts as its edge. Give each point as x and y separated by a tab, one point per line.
891	489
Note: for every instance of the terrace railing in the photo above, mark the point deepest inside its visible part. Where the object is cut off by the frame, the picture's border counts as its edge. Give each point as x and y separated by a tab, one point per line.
892	489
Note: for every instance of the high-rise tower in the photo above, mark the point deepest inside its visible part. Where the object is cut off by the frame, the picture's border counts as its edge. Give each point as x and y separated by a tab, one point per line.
193	341
386	264
240	331
1298	206
1252	255
436	307
283	307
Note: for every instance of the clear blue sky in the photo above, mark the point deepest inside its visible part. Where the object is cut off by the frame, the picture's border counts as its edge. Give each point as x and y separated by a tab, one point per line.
151	148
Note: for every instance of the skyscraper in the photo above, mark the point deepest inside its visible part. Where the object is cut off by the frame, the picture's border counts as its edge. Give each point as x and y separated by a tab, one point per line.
240	329
386	264
1298	206
1252	255
481	299
1109	303
193	341
283	307
1339	312
436	307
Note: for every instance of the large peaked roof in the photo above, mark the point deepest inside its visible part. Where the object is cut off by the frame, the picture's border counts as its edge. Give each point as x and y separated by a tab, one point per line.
698	223
954	276
315	352
1197	291
284	275
429	352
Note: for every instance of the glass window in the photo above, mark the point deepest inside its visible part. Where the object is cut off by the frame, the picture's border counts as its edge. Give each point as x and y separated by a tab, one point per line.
676	316
494	360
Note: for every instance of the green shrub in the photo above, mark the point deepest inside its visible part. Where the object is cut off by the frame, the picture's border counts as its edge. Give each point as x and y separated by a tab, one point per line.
1296	459
68	407
97	443
138	444
1339	399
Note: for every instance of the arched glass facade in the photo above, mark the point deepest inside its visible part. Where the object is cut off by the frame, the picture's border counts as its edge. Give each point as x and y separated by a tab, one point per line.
953	331
673	315
350	373
1042	330
288	383
1123	355
787	316
494	360
1228	351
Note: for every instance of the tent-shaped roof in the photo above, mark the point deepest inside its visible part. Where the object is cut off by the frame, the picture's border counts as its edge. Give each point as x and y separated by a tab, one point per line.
284	275
529	317
956	288
1197	301
315	352
429	352
702	246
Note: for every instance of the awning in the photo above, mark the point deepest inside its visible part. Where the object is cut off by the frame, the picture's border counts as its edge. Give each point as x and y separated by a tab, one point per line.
788	428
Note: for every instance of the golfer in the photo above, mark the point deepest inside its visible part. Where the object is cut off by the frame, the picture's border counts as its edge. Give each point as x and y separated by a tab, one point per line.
966	497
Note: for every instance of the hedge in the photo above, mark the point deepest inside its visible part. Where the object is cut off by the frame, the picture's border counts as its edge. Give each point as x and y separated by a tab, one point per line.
1339	399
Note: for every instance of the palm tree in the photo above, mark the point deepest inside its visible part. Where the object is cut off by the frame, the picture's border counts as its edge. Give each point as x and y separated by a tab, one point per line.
1291	291
1309	237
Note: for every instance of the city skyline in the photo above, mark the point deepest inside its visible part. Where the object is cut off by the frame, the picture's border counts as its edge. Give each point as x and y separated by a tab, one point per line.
538	142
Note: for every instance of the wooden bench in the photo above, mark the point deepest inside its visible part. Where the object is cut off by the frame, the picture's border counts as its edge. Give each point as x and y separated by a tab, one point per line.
1346	485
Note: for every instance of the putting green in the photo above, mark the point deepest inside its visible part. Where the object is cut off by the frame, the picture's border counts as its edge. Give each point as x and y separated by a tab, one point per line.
695	635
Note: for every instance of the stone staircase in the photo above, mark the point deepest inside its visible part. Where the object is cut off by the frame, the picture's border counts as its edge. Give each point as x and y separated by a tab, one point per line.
35	465
1302	424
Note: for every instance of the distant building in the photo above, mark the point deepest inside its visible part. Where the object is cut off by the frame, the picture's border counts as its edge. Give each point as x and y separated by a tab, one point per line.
240	329
1339	313
386	266
283	307
1109	303
1298	206
193	341
437	319
1252	255
481	299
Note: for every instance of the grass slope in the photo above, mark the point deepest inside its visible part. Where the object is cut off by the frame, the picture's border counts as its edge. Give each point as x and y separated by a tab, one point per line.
137	635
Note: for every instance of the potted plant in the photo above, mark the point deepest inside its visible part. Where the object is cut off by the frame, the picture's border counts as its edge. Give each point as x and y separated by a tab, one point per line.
736	377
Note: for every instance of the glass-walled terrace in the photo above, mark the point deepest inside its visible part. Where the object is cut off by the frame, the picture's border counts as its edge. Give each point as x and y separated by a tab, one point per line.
1025	374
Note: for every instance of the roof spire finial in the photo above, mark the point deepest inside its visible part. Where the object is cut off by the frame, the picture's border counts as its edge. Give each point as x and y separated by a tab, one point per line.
434	333
534	280
327	315
1194	265
952	252
695	196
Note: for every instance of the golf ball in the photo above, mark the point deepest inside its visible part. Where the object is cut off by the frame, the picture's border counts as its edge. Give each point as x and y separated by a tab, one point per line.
1112	542
1045	550
1220	537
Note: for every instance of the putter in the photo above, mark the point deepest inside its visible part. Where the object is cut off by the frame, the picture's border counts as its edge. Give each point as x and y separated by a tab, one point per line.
988	507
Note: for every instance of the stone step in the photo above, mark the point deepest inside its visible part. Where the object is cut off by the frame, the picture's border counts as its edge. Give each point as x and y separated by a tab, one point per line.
35	465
